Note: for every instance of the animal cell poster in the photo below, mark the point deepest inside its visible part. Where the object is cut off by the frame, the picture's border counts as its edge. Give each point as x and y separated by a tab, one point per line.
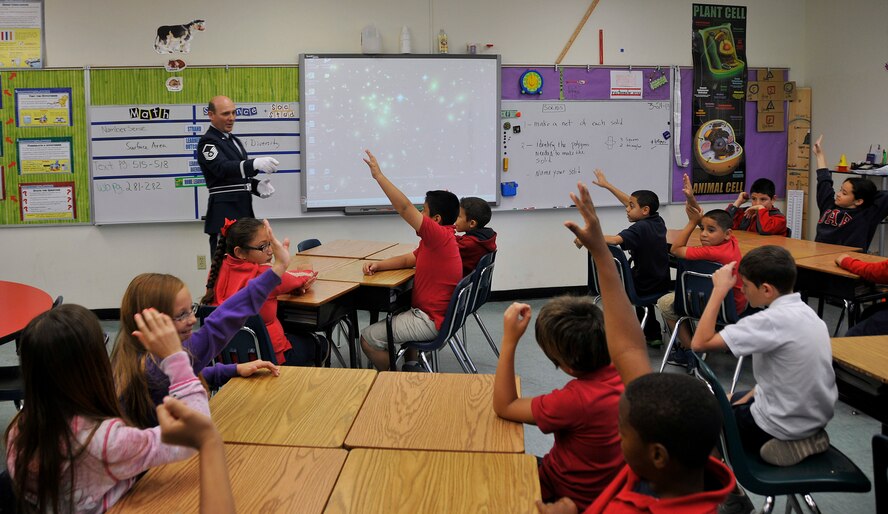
21	34
50	155
43	107
719	98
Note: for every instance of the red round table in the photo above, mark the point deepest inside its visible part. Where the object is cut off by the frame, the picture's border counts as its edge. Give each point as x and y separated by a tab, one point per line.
19	304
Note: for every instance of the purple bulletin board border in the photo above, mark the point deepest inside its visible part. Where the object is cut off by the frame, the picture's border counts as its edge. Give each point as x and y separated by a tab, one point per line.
765	151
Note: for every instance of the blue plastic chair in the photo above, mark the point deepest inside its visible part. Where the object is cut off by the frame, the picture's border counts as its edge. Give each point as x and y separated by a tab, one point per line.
307	244
646	302
251	342
830	471
455	317
482	283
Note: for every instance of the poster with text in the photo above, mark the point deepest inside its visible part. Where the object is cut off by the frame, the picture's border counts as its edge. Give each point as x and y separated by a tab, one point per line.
719	53
21	34
43	107
54	201
50	155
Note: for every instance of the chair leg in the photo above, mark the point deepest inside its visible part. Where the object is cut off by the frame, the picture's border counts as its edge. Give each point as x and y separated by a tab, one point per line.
486	334
456	352
435	363
792	504
768	507
338	354
737	371
671	342
812	505
645	317
465	354
841	318
425	361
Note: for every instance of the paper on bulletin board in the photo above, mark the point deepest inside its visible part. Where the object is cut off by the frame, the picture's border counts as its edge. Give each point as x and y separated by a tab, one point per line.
50	155
626	84
43	107
21	34
2	182
53	201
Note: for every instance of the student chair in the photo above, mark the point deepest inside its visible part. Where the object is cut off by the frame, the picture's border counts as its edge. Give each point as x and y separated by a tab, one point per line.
693	287
828	472
454	318
880	471
11	387
251	342
307	244
646	302
482	282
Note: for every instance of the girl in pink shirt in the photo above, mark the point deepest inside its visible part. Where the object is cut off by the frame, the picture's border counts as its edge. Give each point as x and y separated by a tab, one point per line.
71	449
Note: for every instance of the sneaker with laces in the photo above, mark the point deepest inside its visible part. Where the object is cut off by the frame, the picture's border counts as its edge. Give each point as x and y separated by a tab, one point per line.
790	453
736	504
683	357
414	366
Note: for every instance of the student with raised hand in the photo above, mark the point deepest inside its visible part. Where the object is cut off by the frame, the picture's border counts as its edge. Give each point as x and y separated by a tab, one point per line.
669	423
850	216
438	270
71	448
184	426
140	383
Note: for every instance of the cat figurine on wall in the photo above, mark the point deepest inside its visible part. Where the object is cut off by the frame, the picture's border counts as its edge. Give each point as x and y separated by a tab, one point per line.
176	38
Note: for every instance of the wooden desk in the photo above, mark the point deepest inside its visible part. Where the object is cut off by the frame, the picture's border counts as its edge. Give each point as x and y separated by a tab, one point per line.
263	479
320	309
433	411
393	251
798	248
19	304
353	248
317	263
375	481
865	386
819	276
354	272
302	407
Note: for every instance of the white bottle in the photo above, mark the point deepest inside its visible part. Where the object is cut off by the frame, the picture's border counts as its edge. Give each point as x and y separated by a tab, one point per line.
405	40
371	41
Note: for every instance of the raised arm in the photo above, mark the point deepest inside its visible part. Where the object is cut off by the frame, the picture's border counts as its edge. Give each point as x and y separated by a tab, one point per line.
688	189
705	336
601	181
817	149
625	341
399	200
680	244
506	402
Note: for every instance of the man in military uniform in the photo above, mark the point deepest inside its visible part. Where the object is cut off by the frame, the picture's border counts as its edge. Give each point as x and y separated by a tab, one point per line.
228	171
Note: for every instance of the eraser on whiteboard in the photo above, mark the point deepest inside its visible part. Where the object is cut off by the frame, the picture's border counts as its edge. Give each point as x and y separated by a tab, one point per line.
509	188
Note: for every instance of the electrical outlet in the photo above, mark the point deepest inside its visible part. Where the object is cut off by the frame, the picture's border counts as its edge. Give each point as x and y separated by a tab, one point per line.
201	262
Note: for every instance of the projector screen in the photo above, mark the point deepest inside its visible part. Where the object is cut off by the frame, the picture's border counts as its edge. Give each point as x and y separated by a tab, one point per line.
431	121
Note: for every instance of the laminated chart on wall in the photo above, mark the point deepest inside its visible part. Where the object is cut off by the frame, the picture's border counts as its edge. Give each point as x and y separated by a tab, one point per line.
144	166
553	144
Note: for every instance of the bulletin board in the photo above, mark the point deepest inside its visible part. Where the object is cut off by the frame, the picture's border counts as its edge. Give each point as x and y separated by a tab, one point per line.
43	148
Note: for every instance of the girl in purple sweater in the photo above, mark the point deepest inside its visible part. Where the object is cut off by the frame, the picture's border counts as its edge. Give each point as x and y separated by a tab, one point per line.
140	383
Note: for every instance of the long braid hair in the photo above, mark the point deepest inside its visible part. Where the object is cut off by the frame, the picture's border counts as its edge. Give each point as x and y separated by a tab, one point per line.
66	373
238	234
128	358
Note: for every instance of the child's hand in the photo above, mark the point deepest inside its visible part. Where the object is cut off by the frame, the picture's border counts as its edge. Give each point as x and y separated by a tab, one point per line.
157	333
184	426
515	321
724	278
817	149
373	164
304	289
752	210
371	267
686	187
563	506
249	368
695	214
741	199
590	235
841	258
600	179
281	251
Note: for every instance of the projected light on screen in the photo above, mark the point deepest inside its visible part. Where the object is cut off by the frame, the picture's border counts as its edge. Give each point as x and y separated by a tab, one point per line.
431	121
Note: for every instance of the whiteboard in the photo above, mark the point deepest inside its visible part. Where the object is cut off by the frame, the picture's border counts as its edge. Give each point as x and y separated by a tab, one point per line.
554	144
144	168
431	121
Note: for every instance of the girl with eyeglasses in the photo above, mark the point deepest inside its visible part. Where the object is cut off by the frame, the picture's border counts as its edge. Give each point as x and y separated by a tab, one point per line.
139	381
243	253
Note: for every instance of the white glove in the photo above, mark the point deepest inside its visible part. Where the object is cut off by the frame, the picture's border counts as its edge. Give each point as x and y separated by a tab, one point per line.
264	187
266	164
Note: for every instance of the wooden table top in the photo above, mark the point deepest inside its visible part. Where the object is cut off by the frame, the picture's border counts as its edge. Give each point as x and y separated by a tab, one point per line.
432	482
263	479
827	263
354	272
799	248
302	407
868	355
321	292
317	263
19	304
433	411
393	251
354	248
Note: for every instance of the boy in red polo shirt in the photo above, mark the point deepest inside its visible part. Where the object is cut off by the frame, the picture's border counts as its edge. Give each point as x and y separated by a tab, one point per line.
438	269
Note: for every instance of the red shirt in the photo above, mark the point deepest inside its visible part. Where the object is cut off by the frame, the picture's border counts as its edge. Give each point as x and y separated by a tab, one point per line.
621	498
472	247
587	455
764	221
725	253
873	271
234	275
438	269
